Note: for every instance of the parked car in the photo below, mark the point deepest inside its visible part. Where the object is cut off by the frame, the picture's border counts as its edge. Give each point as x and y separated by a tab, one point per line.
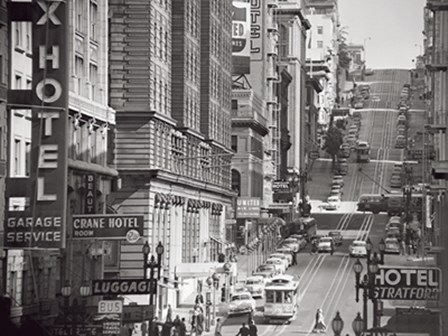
334	192
358	249
333	203
301	239
392	245
278	263
269	270
286	252
255	285
359	105
402	120
241	302
292	242
400	141
395	181
339	181
287	261
337	237
337	188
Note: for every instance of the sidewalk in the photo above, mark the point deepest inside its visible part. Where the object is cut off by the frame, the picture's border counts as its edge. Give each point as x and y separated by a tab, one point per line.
185	309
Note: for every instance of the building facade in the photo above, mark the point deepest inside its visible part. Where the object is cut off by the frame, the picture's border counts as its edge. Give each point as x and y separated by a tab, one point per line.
4	76
172	139
35	277
436	61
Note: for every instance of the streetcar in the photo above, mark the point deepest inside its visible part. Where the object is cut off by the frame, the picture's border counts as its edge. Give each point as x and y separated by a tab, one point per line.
392	203
282	298
362	151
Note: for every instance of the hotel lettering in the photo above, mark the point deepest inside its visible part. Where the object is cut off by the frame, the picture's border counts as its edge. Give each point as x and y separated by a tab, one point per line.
47	184
413	283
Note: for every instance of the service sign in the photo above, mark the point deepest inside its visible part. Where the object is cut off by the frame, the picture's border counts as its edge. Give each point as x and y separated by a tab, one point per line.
408	283
240	37
128	227
124	286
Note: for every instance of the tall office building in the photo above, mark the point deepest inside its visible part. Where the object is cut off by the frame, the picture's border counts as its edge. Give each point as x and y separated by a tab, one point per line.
170	85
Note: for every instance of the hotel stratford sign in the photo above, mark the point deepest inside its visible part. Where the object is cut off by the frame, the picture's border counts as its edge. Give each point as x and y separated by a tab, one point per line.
43	226
408	283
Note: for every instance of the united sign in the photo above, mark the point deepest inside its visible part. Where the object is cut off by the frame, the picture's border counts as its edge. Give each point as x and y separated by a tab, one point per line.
408	283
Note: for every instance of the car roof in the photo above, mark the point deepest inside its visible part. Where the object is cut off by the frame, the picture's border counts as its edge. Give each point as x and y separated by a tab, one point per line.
359	242
388	239
334	232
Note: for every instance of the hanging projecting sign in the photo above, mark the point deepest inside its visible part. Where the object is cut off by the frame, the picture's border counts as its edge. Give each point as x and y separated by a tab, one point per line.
107	227
408	283
124	286
90	196
248	207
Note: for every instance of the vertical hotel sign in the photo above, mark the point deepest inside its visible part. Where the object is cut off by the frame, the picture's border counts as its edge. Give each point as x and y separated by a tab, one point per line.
43	226
256	29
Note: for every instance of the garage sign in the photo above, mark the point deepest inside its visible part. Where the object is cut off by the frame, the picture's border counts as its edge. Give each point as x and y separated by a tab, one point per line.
408	283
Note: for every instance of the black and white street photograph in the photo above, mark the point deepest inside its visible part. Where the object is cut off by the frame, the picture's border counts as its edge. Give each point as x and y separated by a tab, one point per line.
223	167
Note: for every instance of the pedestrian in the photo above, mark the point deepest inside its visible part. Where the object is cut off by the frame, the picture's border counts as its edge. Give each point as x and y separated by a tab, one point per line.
182	327
176	324
294	258
200	323
244	331
253	330
218	327
319	326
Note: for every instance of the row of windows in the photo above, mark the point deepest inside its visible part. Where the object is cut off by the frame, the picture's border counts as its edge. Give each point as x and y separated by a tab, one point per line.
85	80
161	40
87	23
192	63
192	109
22	35
193	19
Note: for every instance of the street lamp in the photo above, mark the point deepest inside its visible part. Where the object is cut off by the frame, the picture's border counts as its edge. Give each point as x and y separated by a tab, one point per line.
337	324
85	290
213	280
358	324
368	282
382	248
152	265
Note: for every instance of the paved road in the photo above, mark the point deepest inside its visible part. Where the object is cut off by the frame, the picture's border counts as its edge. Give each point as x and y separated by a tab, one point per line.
327	281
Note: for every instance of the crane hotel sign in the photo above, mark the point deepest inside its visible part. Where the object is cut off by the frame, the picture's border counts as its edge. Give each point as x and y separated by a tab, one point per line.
408	283
43	226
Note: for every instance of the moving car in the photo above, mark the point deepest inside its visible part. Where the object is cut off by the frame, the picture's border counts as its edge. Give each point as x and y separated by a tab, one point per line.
359	105
393	232
337	237
358	249
392	246
333	203
401	120
326	244
241	302
255	285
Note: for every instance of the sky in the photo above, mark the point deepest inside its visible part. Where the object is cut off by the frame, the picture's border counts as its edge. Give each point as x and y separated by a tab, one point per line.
393	26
